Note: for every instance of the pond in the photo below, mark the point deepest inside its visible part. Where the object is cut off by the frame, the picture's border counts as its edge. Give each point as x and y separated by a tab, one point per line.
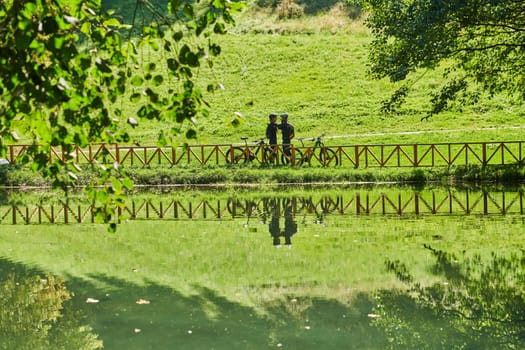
350	267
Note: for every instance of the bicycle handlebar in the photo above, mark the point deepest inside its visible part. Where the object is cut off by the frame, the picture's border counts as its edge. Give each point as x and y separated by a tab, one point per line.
258	141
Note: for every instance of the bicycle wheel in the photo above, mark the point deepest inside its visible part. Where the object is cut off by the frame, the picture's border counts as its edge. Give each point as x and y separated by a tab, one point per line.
287	159
328	157
235	155
270	157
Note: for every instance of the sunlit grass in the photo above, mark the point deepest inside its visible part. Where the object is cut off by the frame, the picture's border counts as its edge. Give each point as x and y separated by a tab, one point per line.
321	80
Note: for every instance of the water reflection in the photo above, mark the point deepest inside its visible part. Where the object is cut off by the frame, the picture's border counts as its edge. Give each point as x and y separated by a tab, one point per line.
37	313
178	205
478	303
290	225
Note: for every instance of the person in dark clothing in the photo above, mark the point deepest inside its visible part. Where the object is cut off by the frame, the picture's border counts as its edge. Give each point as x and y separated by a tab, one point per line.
288	133
271	129
290	226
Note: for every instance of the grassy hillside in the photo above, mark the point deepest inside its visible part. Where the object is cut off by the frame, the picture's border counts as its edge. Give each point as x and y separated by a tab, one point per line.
315	68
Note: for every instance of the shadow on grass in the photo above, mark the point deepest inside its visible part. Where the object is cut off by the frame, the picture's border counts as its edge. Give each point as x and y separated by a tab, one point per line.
130	316
477	304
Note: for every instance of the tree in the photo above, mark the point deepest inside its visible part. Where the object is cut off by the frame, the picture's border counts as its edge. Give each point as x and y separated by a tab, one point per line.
64	66
482	43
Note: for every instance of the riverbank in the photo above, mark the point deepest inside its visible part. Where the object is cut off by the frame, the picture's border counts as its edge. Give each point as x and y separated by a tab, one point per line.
22	176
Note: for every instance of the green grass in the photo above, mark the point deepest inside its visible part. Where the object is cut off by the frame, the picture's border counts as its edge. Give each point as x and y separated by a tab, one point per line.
238	175
315	68
320	78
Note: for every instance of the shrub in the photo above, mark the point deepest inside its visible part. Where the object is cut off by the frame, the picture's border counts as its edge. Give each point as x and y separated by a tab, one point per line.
289	9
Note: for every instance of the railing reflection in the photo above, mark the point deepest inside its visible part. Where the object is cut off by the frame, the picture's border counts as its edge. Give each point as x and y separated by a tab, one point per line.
358	202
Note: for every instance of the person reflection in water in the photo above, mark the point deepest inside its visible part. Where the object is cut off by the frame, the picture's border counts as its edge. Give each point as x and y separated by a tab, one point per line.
290	226
274	228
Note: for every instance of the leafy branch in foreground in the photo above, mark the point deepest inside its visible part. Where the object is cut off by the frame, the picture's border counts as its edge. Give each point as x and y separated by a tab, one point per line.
64	67
482	42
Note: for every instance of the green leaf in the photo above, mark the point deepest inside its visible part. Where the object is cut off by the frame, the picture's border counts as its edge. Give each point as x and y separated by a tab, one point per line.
85	28
150	67
59	42
177	36
219	28
136	80
191	134
158	80
173	64
135	97
127	183
112	22
112	227
214	49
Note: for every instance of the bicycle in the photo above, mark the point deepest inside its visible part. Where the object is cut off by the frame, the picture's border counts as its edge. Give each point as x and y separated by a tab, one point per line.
325	155
246	154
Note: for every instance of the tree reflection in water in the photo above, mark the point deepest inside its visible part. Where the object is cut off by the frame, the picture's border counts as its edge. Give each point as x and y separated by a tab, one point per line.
478	304
34	315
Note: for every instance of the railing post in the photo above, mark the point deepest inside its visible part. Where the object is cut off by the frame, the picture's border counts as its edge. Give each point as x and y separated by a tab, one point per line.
502	153
416	161
356	147
520	153
484	153
521	202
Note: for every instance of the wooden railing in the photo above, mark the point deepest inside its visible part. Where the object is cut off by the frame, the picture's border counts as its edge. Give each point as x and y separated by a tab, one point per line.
358	203
357	156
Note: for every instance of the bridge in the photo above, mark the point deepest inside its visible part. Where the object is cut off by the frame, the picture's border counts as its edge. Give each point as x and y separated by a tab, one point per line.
354	156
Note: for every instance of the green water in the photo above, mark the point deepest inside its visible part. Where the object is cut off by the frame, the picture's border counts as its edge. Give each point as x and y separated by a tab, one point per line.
339	268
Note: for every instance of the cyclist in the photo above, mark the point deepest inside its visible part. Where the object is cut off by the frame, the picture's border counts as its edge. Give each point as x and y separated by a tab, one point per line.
271	129
288	133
